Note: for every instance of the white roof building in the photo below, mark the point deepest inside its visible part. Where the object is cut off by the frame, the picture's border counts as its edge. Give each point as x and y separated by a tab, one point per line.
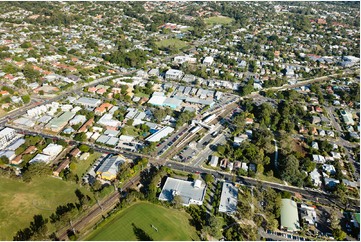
173	74
214	161
40	158
88	102
77	119
157	100
189	192
229	198
316	178
6	135
52	150
314	145
208	61
160	134
329	168
319	159
336	155
107	120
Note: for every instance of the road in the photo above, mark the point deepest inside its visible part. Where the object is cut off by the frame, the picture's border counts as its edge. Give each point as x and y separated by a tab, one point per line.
206	152
113	199
311	195
276	153
344	143
21	111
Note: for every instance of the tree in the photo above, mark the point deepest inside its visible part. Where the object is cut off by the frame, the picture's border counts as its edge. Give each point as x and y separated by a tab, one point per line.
37	169
84	148
339	234
289	170
80	137
62	49
214	227
4	160
209	178
25	45
26	99
221	149
177	201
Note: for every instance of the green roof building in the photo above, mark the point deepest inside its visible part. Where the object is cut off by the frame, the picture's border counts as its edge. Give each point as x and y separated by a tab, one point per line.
289	215
57	124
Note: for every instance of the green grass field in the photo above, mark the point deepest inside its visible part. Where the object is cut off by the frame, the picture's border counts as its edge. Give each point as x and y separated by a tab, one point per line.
171	224
129	130
218	20
170	42
20	201
83	165
140	94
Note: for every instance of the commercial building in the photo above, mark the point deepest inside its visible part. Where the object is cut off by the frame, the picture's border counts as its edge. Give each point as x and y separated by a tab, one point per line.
289	216
57	124
78	119
208	61
189	192
229	198
108	121
160	134
53	150
110	167
173	74
88	102
157	100
24	122
200	101
173	103
6	135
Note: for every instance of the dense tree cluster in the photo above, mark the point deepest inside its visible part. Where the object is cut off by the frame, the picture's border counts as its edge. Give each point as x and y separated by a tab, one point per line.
135	58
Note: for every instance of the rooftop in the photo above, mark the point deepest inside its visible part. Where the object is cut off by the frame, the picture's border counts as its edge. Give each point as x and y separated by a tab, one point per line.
189	193
228	203
289	215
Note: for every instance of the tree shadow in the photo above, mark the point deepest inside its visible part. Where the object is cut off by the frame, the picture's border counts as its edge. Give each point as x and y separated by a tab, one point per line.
141	234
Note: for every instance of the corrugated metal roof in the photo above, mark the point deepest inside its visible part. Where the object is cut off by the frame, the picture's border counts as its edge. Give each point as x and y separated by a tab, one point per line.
289	215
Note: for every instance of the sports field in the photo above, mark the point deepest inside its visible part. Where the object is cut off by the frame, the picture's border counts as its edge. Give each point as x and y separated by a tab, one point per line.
20	201
135	223
172	42
218	20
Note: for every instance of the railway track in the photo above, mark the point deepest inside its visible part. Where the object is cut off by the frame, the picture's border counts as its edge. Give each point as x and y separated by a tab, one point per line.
99	209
